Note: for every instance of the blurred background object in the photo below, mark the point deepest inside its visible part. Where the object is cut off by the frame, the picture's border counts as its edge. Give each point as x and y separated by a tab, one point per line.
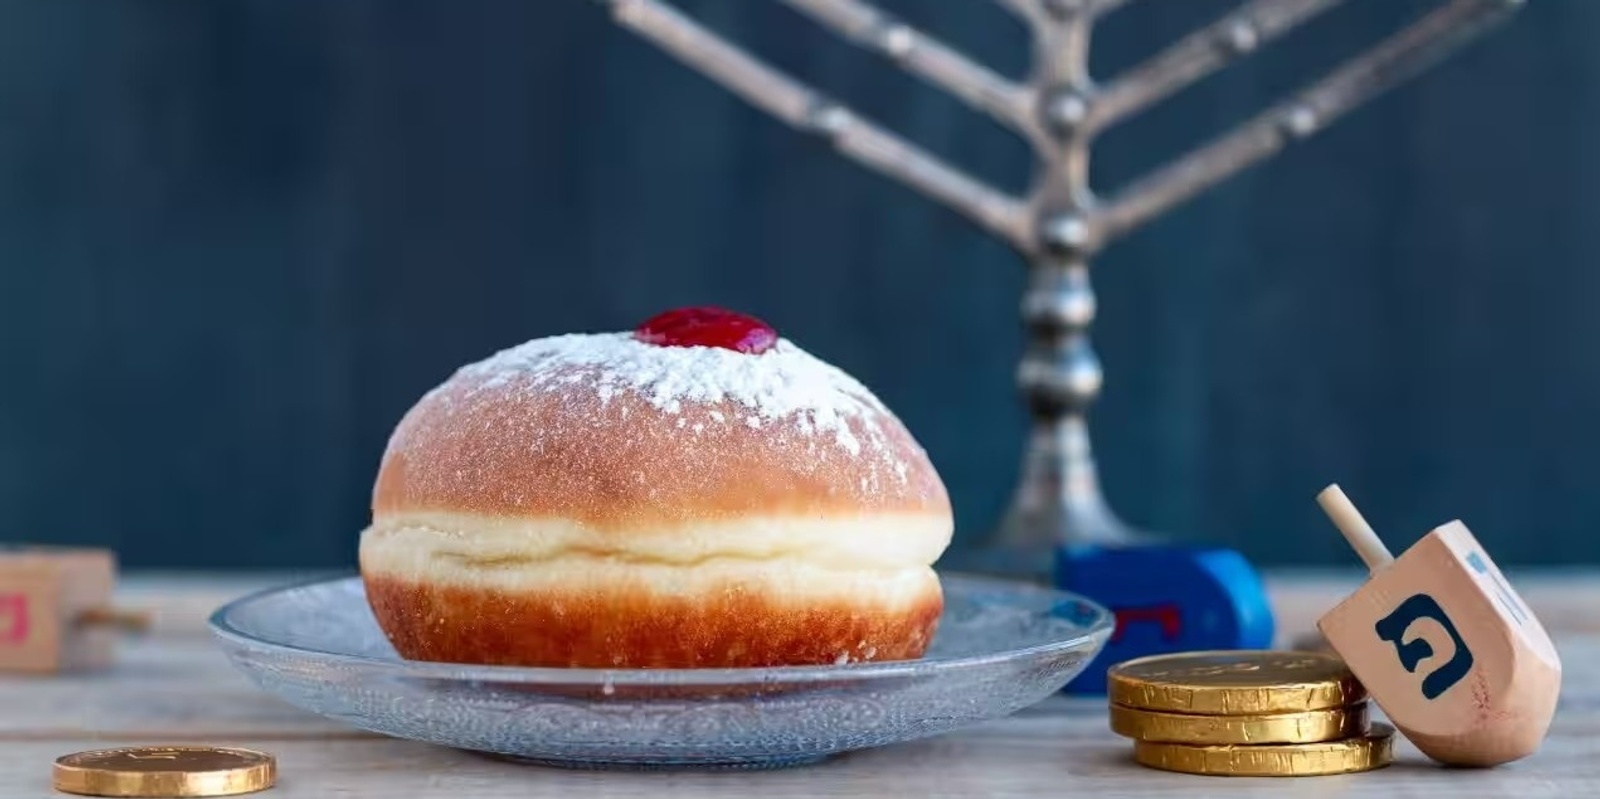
239	239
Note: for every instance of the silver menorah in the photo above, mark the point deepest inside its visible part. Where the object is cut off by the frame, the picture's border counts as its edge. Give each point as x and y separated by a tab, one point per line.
1062	223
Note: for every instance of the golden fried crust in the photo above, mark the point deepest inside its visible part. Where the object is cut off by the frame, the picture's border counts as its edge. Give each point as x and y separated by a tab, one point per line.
736	626
496	445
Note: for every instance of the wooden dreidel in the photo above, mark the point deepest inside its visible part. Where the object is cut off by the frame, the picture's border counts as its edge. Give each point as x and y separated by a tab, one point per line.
56	612
1443	645
1166	598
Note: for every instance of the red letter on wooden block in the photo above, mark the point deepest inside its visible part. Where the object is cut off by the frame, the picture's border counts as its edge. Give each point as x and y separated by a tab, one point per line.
13	618
44	592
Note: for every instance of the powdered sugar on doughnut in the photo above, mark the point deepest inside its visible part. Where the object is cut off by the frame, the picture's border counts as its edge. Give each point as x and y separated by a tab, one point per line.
619	435
784	383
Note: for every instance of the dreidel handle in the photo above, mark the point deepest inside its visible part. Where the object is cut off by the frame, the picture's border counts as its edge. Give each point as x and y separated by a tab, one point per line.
1350	522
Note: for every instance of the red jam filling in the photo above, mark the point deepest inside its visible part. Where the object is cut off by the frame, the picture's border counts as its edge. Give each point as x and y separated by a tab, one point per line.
707	327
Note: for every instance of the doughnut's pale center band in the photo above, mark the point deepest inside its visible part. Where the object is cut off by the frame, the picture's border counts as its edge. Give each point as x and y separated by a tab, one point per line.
891	552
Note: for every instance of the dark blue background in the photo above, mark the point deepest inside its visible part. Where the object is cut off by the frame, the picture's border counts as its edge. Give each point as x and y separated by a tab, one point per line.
238	239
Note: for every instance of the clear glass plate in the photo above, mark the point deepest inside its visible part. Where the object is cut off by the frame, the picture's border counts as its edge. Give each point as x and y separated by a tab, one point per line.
1000	647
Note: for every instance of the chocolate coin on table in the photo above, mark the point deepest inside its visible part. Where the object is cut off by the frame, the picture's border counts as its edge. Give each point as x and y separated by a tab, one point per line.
1309	726
1372	751
1234	682
165	771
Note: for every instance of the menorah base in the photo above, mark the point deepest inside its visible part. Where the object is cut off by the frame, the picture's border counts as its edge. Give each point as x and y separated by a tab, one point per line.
1027	544
1166	597
1057	504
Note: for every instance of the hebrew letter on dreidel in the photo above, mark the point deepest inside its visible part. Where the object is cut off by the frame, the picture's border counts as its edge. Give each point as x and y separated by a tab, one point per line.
1166	599
1393	627
1444	645
1508	598
1164	616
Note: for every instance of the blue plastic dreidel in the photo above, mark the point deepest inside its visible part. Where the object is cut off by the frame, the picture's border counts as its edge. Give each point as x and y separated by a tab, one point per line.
1166	599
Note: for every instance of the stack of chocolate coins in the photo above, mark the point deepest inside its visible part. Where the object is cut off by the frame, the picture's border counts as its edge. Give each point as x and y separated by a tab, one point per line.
1247	713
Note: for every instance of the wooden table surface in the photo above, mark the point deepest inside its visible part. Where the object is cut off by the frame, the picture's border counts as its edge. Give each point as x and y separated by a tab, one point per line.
173	685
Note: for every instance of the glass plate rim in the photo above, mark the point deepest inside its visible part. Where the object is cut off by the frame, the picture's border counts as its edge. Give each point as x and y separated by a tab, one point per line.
1100	627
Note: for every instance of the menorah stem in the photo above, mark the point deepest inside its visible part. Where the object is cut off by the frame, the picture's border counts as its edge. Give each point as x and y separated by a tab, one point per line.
1061	44
1058	500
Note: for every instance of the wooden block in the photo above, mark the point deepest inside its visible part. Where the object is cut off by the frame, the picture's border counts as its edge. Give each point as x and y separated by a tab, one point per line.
55	609
1448	649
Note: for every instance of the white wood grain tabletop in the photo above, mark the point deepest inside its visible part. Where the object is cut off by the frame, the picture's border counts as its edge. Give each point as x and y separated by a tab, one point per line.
174	685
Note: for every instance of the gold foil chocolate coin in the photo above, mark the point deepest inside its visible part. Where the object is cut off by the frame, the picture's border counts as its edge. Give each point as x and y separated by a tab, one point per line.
1374	750
1310	726
1234	682
165	771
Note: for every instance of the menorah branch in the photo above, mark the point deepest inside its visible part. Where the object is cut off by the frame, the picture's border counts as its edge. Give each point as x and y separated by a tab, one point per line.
1061	224
923	56
1098	8
1027	10
808	111
1391	62
1199	54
